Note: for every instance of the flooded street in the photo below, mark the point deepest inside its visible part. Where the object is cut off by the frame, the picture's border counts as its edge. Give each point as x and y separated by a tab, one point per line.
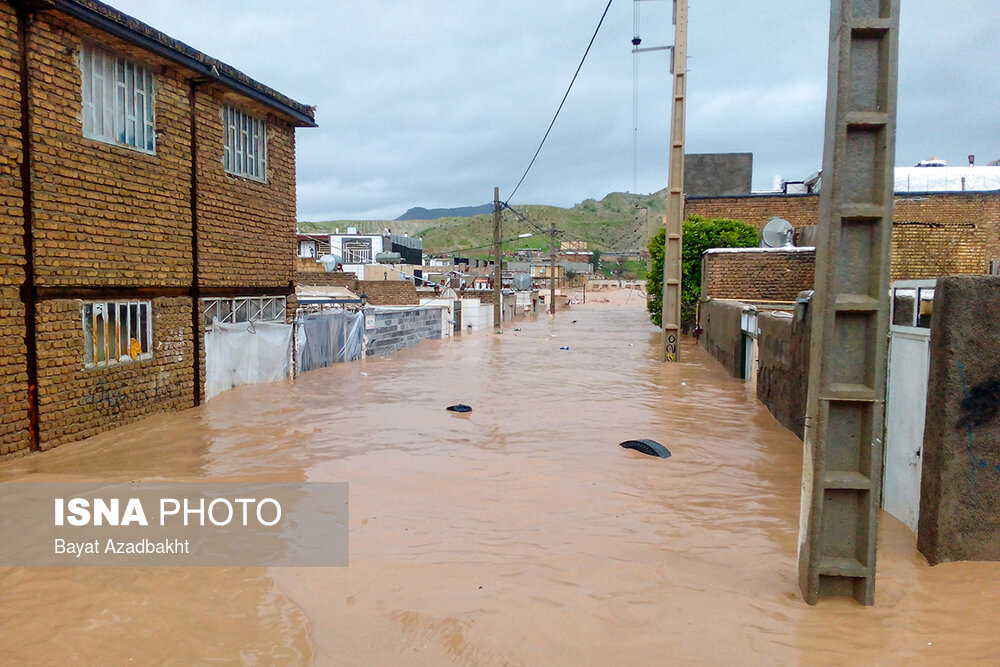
520	533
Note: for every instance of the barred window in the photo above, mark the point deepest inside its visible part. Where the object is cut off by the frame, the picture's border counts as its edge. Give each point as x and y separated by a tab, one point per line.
245	151
244	309
117	100
116	332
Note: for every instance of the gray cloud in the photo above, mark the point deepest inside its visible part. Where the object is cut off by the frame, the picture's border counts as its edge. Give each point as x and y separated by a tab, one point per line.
434	103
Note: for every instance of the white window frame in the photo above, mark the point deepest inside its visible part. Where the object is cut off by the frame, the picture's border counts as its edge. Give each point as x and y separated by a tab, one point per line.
244	151
121	322
119	100
308	249
244	309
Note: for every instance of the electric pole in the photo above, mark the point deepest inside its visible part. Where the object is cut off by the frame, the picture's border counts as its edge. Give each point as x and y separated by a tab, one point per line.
552	271
671	314
842	457
497	261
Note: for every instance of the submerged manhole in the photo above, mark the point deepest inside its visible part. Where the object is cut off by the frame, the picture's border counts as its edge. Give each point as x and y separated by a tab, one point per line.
648	447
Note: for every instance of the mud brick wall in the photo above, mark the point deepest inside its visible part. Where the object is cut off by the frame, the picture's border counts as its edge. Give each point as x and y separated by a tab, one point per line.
77	402
758	275
960	475
930	250
756	210
13	371
388	292
105	214
396	329
246	228
13	375
327	279
11	219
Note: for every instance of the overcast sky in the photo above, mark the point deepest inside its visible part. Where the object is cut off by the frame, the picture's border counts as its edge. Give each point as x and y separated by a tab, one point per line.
433	102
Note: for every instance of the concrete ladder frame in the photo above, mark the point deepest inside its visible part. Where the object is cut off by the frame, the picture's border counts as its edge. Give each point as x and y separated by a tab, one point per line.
673	239
842	463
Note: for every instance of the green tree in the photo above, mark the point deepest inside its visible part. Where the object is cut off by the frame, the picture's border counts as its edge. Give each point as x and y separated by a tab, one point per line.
595	261
700	234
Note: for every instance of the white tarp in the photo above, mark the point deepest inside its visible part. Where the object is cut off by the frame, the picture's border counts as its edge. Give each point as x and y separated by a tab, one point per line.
947	179
246	353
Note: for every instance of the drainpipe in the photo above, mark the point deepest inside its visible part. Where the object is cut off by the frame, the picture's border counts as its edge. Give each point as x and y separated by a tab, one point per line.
27	208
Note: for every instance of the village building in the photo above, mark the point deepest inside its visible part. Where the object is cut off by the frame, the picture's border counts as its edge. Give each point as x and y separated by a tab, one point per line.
145	189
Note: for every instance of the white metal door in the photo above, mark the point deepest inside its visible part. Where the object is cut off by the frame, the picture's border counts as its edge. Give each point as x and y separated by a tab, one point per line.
906	399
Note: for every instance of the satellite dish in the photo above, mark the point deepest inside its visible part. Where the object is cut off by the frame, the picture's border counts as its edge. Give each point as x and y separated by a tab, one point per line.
331	262
777	233
522	281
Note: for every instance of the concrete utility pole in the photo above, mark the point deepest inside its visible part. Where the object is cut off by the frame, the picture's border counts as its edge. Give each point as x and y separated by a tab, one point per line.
498	262
842	465
552	271
671	316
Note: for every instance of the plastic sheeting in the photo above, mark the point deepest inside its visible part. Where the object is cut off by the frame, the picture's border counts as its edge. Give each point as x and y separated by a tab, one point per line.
246	353
328	338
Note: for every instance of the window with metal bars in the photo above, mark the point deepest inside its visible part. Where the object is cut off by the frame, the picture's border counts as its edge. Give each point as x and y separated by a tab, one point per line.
116	332
245	150
244	309
118	104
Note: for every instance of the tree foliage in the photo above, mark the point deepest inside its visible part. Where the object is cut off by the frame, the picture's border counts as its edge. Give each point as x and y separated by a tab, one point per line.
700	234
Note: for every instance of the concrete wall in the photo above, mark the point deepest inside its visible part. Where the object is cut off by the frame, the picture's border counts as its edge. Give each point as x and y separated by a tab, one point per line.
782	352
783	378
718	174
722	337
399	328
960	484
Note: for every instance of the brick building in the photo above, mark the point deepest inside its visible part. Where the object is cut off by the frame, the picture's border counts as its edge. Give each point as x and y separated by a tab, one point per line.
933	233
141	182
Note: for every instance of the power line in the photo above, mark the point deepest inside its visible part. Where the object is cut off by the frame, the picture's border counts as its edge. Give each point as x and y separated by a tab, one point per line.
578	68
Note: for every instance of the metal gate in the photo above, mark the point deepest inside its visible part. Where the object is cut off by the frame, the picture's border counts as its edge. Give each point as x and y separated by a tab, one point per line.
906	397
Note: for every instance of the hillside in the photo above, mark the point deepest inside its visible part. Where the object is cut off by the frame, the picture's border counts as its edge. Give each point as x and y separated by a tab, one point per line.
613	223
421	213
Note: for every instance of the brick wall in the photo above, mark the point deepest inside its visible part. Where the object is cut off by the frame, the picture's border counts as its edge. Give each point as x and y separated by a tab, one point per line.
934	234
327	279
246	229
13	371
755	274
930	250
105	214
78	402
388	292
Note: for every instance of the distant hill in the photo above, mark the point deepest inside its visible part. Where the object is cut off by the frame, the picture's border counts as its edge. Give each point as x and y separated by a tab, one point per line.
420	213
616	222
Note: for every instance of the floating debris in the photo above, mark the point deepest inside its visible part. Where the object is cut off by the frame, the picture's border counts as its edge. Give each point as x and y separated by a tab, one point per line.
461	407
648	447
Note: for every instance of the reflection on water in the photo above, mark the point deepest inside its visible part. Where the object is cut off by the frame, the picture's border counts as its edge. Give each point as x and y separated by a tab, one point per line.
519	533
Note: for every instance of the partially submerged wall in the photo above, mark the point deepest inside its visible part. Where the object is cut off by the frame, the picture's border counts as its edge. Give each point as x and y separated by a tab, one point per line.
783	355
399	328
722	337
960	480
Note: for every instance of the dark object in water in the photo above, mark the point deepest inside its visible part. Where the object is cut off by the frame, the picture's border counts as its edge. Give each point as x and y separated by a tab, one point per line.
461	407
649	447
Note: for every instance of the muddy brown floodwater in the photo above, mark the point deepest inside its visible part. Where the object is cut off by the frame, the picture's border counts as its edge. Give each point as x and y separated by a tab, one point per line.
517	534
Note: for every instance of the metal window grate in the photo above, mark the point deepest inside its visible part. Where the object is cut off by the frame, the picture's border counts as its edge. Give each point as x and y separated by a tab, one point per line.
116	332
118	103
245	150
244	309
